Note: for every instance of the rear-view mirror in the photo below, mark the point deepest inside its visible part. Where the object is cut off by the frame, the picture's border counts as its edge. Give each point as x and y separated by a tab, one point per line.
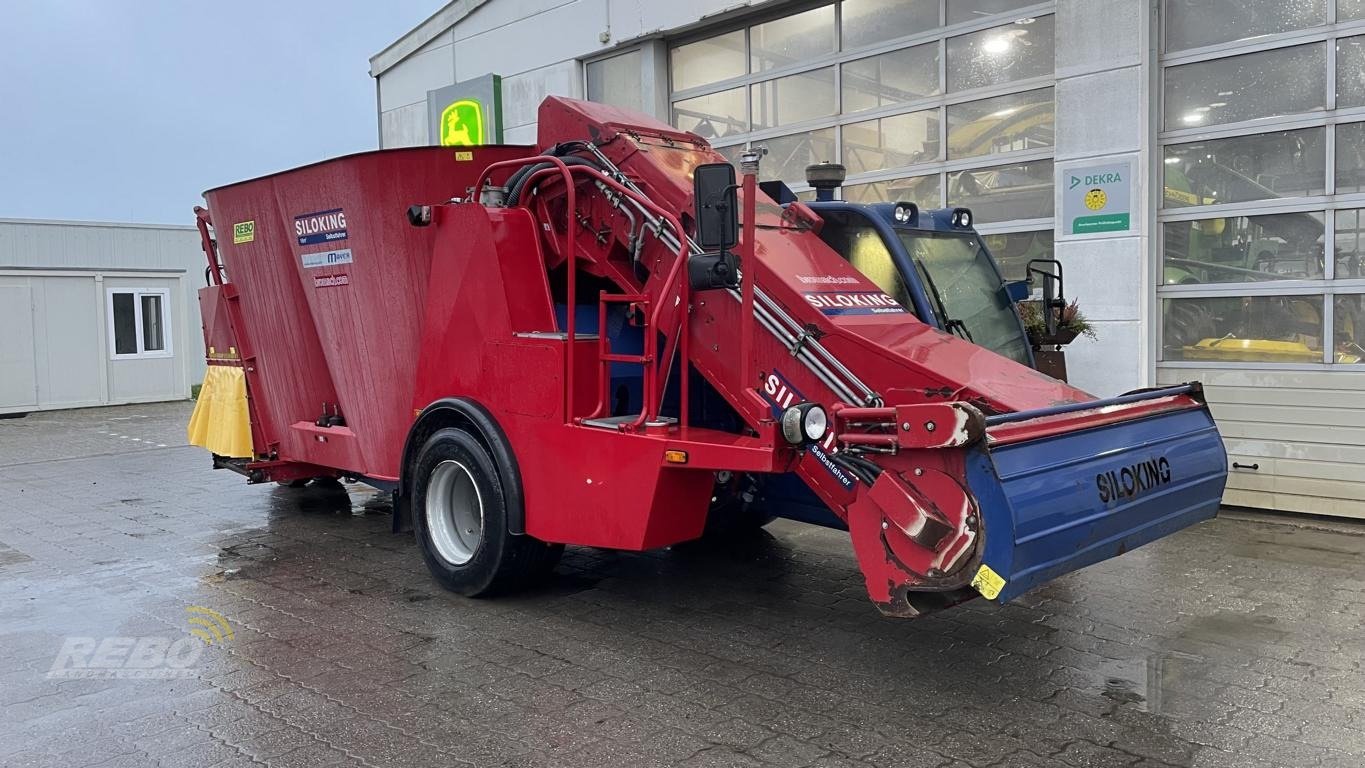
714	190
1054	301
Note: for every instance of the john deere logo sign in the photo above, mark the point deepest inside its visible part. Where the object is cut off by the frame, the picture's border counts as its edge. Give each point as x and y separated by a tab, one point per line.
1097	199
462	124
466	114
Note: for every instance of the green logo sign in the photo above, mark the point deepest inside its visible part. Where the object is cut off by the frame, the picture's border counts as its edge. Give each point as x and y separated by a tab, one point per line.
462	124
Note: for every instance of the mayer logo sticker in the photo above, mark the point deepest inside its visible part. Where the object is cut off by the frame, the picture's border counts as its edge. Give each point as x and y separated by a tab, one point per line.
326	258
321	227
834	303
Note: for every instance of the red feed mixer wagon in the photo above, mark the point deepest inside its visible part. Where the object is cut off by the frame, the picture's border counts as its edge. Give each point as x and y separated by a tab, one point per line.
608	340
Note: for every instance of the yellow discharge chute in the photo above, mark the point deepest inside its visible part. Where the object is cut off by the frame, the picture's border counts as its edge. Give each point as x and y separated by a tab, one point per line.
220	422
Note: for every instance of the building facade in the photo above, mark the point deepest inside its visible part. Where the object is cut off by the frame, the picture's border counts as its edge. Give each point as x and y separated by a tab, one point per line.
97	314
1198	168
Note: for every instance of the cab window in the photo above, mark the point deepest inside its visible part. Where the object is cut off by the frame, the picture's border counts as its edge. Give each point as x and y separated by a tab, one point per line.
853	237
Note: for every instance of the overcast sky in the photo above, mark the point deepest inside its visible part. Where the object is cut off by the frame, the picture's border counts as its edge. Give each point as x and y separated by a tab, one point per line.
126	110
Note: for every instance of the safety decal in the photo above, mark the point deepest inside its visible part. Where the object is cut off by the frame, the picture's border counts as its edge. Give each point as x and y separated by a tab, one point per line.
331	281
988	582
461	157
853	303
780	395
326	258
243	232
321	227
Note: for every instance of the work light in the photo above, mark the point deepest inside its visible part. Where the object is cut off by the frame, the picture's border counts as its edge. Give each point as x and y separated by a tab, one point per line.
804	423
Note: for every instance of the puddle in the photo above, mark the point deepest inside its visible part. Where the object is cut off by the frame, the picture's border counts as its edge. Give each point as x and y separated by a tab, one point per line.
1156	683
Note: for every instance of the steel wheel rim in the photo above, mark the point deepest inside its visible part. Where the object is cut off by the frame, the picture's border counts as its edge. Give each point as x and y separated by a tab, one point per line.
454	512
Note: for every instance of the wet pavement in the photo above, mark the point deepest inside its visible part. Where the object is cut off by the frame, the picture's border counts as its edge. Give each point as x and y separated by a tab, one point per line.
155	612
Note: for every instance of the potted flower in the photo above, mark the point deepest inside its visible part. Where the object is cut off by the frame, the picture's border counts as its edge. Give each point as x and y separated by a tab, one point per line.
1047	347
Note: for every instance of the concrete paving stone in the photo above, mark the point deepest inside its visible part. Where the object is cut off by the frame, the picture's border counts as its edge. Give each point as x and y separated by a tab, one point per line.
1236	650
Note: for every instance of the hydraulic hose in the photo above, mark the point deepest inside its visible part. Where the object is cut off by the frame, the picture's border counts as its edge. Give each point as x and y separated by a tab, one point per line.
516	183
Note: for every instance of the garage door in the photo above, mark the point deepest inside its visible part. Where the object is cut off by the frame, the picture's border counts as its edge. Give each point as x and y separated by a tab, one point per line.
1262	238
937	103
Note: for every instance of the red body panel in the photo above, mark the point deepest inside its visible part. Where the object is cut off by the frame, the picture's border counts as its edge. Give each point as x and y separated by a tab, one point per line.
343	336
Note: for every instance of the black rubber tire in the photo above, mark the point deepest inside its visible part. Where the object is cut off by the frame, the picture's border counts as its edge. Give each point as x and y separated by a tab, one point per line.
297	483
502	562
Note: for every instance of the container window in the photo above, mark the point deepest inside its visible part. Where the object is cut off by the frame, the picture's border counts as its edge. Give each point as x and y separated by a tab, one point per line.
1014	250
961	11
1255	85
125	324
616	81
1259	329
1004	192
1244	249
920	190
1003	124
153	331
891	78
138	323
1243	168
1351	158
788	156
792	39
713	116
1348	322
1351	71
1000	55
891	142
1350	247
874	21
1192	23
793	99
708	61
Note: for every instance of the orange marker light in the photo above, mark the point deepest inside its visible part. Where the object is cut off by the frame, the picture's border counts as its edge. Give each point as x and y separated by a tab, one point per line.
675	457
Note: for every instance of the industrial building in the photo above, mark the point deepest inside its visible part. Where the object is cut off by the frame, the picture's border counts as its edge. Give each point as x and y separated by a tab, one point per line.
1200	173
97	314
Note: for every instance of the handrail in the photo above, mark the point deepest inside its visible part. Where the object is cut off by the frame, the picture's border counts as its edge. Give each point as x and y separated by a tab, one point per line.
202	219
571	336
1056	410
653	399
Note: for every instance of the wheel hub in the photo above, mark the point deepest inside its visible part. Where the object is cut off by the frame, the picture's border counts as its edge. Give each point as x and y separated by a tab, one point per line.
454	512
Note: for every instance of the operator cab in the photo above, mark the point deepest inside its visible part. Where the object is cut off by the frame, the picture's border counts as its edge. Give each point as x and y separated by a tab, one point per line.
932	262
943	274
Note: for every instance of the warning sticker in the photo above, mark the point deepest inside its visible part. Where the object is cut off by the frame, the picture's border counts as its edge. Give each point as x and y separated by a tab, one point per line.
243	232
988	582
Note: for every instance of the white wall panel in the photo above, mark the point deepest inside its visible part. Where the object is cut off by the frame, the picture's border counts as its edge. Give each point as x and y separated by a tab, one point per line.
1110	364
559	34
522	94
409	82
1099	113
404	127
18	372
1105	276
